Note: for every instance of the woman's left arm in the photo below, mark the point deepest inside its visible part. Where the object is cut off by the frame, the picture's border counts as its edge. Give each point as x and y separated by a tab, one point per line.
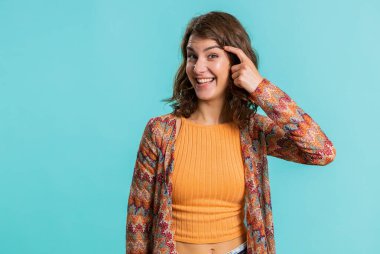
290	133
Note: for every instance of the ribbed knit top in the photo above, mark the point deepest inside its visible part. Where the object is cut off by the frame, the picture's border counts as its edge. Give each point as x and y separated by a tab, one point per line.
208	183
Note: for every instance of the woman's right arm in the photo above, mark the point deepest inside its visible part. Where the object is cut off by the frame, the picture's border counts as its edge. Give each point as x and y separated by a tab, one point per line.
140	202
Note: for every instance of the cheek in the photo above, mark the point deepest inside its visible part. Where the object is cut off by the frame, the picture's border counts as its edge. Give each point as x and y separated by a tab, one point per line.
221	67
188	69
222	70
218	66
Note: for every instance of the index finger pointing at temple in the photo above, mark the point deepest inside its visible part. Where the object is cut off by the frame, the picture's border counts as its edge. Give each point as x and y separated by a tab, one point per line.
237	51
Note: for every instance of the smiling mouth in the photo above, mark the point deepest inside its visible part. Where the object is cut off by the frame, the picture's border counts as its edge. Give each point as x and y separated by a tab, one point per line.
203	84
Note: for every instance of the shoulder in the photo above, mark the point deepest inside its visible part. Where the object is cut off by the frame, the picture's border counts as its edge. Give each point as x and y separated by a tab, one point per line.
161	119
158	129
161	123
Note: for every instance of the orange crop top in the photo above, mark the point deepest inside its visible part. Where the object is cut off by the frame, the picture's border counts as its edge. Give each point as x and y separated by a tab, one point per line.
208	183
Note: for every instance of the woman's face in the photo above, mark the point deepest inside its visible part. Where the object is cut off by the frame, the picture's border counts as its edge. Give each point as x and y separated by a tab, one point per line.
211	62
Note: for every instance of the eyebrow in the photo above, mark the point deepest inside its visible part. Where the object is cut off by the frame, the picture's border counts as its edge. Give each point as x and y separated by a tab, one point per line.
211	47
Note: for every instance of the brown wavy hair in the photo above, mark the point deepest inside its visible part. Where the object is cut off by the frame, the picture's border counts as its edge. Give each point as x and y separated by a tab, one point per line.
226	30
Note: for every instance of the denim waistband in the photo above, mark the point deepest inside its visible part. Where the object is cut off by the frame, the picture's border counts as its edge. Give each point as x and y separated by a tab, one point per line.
240	249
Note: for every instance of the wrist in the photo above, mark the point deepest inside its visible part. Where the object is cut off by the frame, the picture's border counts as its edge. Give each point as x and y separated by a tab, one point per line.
253	88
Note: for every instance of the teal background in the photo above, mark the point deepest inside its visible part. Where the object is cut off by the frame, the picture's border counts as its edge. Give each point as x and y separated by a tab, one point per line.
80	79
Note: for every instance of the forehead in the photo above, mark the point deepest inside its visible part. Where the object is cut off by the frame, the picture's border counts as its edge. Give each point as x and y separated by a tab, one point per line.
200	43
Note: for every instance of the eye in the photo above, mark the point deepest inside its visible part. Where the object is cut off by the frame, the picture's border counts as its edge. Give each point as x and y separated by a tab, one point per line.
190	55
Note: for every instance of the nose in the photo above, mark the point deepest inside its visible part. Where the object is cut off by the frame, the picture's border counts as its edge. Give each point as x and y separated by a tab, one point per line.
200	66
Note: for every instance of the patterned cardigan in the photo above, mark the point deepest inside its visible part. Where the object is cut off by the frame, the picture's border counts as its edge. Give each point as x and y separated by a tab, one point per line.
287	133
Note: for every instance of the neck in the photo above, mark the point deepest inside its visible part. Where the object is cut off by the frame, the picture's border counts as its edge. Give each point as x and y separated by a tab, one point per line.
211	112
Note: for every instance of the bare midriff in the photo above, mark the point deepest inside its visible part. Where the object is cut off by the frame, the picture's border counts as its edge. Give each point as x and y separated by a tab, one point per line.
209	248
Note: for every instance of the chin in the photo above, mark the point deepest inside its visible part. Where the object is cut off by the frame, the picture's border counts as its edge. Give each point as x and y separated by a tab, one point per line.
205	96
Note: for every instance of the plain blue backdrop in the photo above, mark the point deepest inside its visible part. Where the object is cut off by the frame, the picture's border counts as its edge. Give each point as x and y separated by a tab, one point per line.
80	79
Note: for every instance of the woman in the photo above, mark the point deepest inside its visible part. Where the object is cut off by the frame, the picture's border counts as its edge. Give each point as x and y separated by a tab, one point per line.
200	182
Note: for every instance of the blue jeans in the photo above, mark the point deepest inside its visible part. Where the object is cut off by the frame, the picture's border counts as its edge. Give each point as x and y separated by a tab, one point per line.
241	249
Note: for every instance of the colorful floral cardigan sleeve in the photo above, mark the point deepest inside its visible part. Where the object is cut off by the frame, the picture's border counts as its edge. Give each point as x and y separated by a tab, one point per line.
289	133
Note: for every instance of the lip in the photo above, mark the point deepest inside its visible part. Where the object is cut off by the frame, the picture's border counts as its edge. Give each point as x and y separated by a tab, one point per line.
205	85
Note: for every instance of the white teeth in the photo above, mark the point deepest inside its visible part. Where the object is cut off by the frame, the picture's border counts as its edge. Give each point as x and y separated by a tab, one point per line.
204	80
